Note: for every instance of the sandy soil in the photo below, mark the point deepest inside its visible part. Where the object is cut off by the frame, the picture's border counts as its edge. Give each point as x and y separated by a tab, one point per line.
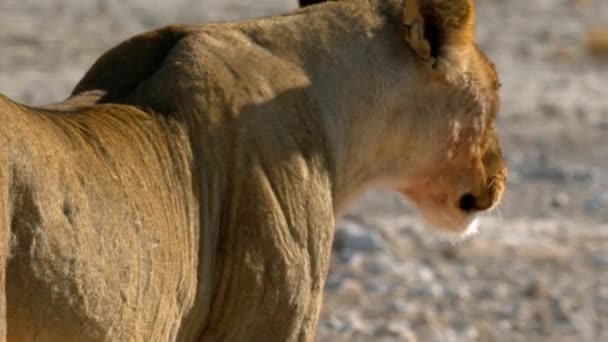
538	271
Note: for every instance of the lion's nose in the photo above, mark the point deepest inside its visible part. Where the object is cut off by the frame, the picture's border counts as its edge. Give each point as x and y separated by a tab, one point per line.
468	203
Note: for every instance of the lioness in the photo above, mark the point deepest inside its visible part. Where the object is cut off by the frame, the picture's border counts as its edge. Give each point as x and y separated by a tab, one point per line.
188	187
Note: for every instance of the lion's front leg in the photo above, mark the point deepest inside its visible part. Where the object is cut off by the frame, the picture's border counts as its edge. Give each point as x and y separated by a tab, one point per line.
266	290
272	262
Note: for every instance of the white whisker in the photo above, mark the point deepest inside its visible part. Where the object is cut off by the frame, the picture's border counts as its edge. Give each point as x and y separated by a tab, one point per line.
499	213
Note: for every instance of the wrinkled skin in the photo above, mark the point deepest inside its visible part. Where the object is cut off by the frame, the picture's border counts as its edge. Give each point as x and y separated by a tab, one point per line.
188	187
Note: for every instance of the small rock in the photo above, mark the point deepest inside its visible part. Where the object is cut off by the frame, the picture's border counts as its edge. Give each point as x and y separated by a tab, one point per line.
551	110
354	260
450	253
381	264
466	332
435	291
352	323
596	203
427	317
560	200
502	291
536	289
357	239
562	309
378	288
552	174
583	176
426	274
508	311
331	324
395	330
601	261
398	305
351	287
333	283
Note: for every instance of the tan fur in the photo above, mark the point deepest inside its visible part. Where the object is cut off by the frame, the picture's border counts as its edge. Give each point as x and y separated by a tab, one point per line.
187	189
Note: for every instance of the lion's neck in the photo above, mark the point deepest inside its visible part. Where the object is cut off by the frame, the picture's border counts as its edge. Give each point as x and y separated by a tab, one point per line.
354	84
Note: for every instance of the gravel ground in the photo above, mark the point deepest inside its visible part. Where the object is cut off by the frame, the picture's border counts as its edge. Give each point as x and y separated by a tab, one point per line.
538	270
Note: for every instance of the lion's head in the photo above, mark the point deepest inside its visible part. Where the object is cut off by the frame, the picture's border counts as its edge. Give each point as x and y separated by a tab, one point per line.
466	173
439	146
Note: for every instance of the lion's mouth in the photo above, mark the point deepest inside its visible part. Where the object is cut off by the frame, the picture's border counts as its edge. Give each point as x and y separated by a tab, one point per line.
445	218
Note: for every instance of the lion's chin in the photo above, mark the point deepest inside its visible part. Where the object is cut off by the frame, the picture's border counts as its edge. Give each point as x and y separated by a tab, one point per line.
452	225
471	229
457	230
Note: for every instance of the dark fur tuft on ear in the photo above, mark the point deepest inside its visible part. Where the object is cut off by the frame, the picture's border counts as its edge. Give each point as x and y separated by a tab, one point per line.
432	24
304	3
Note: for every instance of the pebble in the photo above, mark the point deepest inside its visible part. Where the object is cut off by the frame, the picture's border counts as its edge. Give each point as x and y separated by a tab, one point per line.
426	274
560	200
551	110
507	311
466	332
398	305
596	203
601	261
434	291
562	309
381	264
552	174
352	323
332	323
395	330
536	289
378	288
351	287
502	291
333	283
355	238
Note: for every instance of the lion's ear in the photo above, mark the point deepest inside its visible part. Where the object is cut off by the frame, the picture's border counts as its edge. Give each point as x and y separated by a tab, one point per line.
304	3
431	25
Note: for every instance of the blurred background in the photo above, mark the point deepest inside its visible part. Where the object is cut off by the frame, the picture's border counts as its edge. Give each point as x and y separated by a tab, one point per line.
538	270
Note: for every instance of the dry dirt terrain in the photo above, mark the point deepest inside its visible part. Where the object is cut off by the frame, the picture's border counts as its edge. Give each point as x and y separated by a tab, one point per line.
537	271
